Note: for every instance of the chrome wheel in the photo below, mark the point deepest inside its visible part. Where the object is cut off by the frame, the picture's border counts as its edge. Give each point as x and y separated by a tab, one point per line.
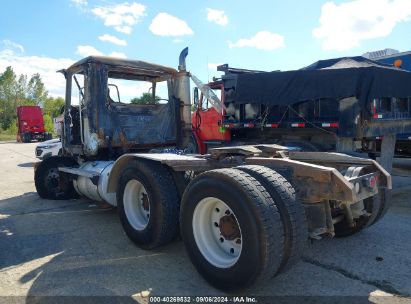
136	204
217	232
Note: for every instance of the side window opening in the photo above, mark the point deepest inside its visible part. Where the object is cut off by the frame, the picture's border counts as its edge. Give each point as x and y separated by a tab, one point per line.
205	103
78	89
135	92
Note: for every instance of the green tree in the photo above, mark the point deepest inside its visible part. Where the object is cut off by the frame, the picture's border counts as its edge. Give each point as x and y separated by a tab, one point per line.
146	98
36	90
16	92
48	123
52	106
7	97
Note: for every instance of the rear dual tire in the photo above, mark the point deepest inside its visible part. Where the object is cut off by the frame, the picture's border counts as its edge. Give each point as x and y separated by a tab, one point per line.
291	210
249	223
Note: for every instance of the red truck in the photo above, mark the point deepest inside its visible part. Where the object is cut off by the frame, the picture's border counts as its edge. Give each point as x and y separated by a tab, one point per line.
30	124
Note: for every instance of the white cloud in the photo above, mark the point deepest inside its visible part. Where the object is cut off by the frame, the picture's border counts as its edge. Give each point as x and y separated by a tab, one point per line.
217	16
112	39
88	50
121	17
344	26
178	40
30	65
263	40
167	25
213	66
10	46
80	4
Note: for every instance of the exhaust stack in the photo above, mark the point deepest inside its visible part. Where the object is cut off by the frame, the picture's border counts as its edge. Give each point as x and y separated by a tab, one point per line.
182	92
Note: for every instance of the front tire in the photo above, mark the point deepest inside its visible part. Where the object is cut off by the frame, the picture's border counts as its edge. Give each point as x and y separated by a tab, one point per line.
231	228
148	204
52	184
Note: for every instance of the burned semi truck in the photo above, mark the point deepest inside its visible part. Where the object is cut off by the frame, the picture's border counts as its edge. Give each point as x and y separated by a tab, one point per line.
244	212
343	105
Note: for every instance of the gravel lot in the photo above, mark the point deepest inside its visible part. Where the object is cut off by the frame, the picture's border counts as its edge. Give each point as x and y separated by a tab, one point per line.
77	247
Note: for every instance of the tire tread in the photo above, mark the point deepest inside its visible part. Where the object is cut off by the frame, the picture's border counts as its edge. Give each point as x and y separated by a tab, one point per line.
291	211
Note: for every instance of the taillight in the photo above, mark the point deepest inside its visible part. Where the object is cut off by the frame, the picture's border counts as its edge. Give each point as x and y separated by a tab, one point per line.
271	125
329	124
372	182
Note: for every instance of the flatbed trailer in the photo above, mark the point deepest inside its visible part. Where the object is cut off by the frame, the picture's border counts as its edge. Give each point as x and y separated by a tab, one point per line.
245	213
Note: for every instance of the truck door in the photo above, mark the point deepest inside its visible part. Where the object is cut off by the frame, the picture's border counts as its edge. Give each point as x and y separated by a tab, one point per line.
207	121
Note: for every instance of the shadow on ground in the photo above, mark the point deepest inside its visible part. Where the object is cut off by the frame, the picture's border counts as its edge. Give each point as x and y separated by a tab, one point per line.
26	165
66	248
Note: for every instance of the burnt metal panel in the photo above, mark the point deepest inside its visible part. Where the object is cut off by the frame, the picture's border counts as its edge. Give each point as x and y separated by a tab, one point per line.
135	125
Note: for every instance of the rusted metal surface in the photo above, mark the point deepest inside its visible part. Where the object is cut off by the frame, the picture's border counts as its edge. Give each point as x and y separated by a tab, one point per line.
119	127
313	182
144	70
337	160
229	227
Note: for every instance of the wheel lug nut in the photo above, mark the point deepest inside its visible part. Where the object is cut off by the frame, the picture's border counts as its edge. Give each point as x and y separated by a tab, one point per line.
232	250
216	209
227	212
238	241
221	240
215	224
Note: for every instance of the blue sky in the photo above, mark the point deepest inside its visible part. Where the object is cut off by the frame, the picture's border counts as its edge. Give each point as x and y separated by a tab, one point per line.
44	36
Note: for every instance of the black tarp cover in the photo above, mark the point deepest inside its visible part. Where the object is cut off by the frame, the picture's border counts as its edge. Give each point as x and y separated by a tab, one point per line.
335	78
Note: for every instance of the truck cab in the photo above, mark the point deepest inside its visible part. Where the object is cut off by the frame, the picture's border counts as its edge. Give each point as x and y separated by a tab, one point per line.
101	120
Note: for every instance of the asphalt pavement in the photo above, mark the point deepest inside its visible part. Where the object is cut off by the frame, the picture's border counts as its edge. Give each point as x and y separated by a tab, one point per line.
78	248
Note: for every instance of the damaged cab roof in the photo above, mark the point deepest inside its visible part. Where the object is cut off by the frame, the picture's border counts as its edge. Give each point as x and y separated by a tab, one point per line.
127	68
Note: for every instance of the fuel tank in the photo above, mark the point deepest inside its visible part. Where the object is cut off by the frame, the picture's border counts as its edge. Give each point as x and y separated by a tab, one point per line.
96	191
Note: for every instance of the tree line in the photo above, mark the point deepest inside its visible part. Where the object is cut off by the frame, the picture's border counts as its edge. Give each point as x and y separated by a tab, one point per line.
23	91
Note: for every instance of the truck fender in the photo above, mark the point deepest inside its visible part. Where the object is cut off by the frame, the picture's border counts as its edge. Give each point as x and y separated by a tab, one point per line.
163	158
115	172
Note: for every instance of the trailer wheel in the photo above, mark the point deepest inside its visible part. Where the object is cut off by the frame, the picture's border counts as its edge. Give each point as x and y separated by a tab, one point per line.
231	229
342	229
377	206
52	184
291	211
148	203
